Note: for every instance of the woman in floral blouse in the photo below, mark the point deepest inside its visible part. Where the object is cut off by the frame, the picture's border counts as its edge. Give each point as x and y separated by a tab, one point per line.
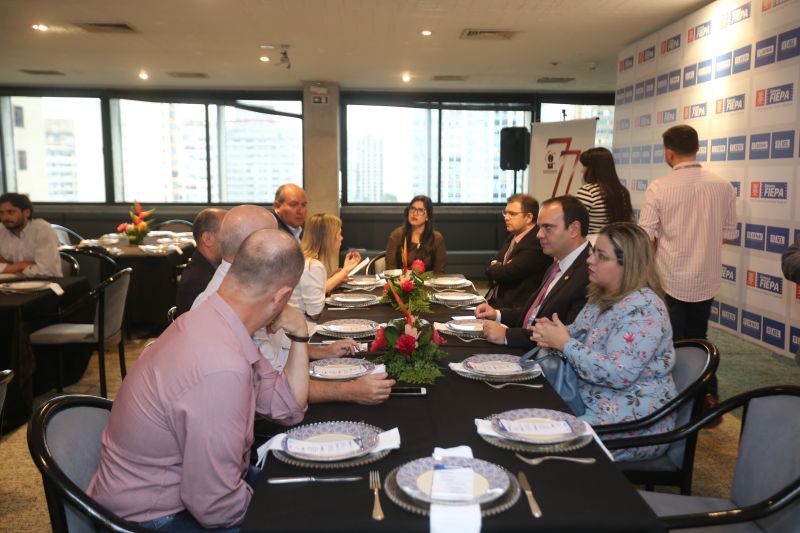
620	345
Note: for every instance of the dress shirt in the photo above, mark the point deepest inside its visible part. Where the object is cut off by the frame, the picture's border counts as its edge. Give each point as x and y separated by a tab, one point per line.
309	294
689	211
37	242
180	432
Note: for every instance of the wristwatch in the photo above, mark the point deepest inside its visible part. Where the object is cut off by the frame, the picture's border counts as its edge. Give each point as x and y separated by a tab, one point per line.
297	338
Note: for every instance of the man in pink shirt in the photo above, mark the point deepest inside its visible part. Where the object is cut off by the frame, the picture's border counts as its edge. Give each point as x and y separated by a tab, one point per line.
688	213
175	454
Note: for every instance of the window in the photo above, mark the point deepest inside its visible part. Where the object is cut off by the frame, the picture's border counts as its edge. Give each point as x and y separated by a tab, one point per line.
450	152
63	137
604	113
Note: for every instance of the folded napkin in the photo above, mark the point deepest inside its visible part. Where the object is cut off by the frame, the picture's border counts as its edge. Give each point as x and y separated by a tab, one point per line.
379	369
388	440
485	428
449	518
56	288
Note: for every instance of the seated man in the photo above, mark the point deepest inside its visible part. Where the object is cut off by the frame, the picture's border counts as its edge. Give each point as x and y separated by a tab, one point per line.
291	208
176	451
517	269
563	225
205	259
237	225
27	246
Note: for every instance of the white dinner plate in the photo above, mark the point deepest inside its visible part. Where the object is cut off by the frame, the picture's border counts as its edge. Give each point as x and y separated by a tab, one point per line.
489	480
538	426
25	286
340	368
330	441
353	298
473	325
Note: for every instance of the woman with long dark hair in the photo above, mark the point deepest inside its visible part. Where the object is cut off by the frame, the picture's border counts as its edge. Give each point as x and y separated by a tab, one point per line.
602	193
421	240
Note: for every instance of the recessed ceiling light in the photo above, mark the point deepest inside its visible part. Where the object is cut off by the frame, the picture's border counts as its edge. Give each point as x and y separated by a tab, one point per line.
267	46
406	77
263	58
40	27
143	75
426	33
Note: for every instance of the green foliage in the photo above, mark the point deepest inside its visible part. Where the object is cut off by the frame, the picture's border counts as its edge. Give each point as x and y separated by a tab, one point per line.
417	300
421	367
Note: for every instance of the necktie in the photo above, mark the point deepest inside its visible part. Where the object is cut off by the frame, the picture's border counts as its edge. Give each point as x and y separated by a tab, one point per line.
529	316
493	291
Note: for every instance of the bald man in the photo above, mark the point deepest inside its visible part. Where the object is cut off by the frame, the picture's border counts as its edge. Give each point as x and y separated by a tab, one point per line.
237	225
176	451
205	259
291	209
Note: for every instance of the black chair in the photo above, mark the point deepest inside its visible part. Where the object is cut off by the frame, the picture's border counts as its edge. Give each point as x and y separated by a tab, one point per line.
5	378
376	265
64	440
69	265
95	263
107	329
695	363
171	314
66	237
176	225
765	495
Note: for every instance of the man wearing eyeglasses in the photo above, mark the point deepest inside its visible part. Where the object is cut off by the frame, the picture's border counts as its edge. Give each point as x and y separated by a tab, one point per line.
519	266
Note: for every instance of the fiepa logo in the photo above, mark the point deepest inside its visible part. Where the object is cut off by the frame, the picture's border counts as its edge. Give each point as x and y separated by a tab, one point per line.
694	111
782	146
787	44
774	333
730	104
649	88
638	92
769	190
644	121
698	32
735	16
751	324
777	239
702	152
658	153
736	148
705	69
780	94
765	51
724	65
759	146
625	63
671	44
765	282
689	75
647	54
737	186
639	185
623	124
729	273
719	149
662	84
667	116
754	236
741	59
675	80
728	316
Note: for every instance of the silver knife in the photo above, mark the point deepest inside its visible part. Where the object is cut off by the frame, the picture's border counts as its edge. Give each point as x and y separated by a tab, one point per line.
310	479
523	482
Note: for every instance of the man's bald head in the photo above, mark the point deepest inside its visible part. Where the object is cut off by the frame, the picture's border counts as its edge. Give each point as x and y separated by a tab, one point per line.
240	223
267	260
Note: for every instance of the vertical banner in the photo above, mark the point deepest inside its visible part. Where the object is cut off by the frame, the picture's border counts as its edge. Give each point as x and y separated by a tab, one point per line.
555	149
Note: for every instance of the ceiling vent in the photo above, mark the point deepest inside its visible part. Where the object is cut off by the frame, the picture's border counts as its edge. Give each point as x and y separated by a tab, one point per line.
450	77
38	72
555	80
187	75
472	34
106	27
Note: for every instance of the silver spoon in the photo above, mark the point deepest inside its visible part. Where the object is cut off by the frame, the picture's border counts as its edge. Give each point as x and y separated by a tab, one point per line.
540	460
501	385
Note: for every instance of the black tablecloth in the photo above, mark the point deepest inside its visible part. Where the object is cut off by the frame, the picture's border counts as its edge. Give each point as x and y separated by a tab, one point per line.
572	497
20	314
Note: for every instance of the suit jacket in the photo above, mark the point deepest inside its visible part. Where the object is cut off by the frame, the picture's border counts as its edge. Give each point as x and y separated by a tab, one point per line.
285	227
194	280
521	275
567	298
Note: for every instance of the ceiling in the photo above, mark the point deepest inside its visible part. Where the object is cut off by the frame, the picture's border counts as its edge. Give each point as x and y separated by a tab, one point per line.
360	44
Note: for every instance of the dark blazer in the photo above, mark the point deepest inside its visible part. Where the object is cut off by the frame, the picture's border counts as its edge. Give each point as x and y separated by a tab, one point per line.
567	299
521	275
194	280
284	226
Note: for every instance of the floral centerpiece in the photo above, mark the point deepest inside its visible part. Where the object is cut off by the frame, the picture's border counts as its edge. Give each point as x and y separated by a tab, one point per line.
411	347
409	287
136	230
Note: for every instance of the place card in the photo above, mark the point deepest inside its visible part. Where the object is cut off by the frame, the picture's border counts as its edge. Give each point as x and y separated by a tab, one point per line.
453	483
338	371
496	367
321	448
536	428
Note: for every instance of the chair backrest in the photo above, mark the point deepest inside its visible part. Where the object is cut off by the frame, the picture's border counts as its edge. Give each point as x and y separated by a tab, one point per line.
376	265
175	225
769	458
5	377
64	439
69	265
112	294
65	235
94	263
171	313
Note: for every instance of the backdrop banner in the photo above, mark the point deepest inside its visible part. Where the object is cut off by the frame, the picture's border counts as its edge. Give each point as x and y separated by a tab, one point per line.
555	149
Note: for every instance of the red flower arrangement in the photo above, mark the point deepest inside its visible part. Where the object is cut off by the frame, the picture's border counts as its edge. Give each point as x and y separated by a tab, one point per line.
410	285
139	226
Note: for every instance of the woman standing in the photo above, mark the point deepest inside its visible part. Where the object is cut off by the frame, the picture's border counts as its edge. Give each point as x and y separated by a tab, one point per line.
602	193
620	345
422	241
322	239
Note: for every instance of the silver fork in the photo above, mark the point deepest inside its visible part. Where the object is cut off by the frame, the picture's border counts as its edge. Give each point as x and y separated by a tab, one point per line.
375	485
470	339
540	460
501	385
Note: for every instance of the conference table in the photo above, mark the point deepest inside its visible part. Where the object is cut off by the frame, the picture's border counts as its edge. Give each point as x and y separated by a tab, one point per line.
572	497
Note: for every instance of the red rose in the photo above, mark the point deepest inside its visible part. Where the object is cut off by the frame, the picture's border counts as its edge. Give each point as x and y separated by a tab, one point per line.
379	342
407	285
438	339
385	289
406	344
122	227
418	266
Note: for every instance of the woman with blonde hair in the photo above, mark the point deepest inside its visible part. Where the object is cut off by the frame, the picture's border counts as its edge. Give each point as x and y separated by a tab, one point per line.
620	345
322	239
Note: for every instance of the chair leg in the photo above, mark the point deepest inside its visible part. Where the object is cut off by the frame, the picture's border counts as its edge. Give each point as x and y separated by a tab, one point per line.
101	359
121	350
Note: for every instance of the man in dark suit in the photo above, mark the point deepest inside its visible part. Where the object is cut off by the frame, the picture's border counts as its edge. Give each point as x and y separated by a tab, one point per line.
563	225
291	209
519	266
205	259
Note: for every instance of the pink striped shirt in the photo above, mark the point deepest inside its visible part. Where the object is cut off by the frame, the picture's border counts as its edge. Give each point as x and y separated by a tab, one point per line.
689	211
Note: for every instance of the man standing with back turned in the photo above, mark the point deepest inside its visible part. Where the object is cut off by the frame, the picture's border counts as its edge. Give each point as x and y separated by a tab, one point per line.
688	213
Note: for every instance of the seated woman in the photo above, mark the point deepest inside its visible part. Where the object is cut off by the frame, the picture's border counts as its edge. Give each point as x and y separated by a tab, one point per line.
423	242
620	345
322	238
602	193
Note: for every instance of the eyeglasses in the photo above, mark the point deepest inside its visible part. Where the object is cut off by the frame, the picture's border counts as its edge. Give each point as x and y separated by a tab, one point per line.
417	210
512	213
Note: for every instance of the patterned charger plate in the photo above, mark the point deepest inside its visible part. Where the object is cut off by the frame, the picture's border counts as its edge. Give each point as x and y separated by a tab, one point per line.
472	327
340	368
25	286
355	299
448	281
416	478
538	426
330	441
456	299
348	327
498	365
392	273
158	249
